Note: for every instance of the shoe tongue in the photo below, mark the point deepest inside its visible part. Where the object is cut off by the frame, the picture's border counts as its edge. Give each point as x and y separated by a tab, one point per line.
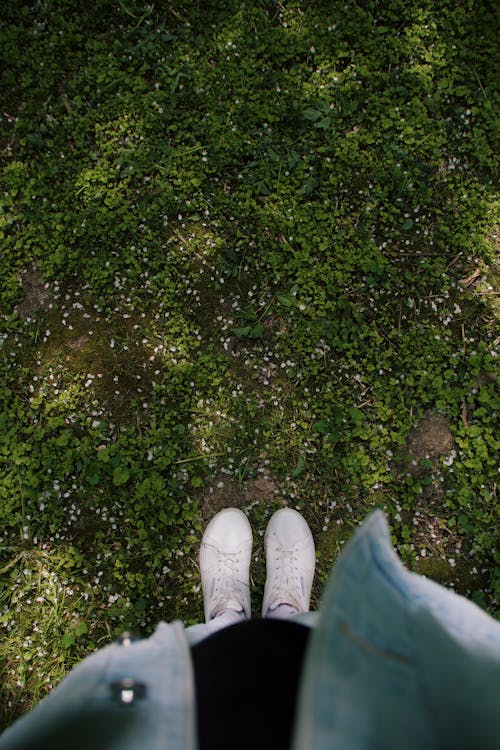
231	604
282	602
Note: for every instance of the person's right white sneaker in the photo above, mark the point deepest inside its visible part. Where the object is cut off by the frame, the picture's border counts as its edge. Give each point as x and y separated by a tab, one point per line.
225	554
290	564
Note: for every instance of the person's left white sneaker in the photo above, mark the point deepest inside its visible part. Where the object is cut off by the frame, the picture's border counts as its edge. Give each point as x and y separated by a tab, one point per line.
290	564
225	554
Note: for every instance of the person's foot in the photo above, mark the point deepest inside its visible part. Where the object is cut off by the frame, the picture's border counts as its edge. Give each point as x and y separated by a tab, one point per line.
225	553
290	564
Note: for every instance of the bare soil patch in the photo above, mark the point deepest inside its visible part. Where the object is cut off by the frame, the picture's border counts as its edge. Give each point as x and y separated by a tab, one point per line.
430	439
226	492
37	297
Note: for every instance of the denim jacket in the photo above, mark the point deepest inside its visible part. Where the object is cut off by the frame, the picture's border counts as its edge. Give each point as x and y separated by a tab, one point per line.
395	661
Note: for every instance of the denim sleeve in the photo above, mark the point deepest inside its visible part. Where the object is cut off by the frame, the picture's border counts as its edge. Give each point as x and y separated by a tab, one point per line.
126	696
396	660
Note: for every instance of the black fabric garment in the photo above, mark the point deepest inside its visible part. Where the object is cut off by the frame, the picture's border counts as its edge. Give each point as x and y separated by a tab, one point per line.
246	678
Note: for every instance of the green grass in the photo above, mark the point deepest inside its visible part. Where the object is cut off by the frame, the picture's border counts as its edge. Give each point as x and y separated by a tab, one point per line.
248	257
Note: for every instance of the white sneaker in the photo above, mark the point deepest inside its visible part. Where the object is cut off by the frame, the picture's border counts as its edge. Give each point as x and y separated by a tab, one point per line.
225	554
290	563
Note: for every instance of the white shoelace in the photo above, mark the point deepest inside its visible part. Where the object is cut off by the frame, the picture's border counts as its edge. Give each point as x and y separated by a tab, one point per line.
228	589
288	584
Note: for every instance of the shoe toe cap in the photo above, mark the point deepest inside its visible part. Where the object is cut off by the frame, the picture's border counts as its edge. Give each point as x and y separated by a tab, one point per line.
290	528
229	531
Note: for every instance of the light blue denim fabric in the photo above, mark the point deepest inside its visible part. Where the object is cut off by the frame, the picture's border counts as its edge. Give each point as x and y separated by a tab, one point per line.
84	710
395	661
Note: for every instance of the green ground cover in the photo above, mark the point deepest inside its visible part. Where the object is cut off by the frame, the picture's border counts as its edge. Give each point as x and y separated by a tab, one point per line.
247	258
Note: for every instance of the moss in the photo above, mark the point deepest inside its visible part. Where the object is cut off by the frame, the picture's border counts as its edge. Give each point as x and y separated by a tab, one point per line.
460	576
